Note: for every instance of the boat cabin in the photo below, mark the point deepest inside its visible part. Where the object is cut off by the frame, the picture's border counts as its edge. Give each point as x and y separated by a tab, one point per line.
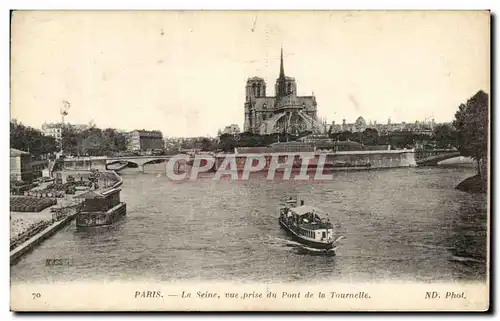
307	215
307	221
95	201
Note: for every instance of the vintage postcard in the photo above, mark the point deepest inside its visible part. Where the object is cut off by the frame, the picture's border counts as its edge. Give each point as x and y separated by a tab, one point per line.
250	161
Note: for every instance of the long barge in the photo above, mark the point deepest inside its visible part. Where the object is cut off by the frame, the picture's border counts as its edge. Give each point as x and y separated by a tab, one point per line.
100	208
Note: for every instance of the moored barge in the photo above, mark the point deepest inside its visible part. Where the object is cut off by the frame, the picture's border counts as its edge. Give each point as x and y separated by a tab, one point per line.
100	208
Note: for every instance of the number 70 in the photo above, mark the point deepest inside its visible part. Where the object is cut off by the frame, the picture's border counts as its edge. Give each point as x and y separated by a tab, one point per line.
36	295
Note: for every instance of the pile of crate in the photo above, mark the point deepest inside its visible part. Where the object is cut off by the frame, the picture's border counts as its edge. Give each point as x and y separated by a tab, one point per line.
30	204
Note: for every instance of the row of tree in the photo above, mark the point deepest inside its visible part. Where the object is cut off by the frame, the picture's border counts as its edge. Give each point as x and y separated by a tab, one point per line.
472	124
29	139
444	136
92	141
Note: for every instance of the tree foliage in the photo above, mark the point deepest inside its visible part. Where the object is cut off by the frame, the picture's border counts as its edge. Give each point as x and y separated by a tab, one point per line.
93	141
472	124
445	136
370	136
229	142
31	140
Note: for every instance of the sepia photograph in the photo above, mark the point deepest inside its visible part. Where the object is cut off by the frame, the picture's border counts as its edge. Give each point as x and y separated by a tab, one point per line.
249	160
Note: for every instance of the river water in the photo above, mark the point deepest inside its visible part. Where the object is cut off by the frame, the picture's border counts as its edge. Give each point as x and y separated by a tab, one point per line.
407	224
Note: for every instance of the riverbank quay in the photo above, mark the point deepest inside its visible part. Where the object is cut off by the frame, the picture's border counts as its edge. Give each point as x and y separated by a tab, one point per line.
30	226
28	229
341	160
104	178
40	233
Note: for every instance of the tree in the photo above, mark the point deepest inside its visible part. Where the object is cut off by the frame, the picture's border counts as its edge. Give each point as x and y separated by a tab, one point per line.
91	142
31	140
370	136
121	140
112	140
108	137
445	136
343	136
400	139
206	144
70	141
472	124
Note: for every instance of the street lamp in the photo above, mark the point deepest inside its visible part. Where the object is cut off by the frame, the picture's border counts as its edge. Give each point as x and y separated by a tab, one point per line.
63	112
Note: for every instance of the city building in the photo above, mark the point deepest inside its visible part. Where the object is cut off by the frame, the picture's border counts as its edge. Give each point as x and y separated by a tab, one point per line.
53	129
143	140
232	129
360	125
79	127
20	165
283	113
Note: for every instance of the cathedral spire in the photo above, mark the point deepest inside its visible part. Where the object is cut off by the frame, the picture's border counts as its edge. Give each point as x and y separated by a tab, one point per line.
282	69
281	82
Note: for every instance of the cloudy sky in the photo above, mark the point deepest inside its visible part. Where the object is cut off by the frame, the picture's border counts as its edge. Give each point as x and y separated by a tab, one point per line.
184	73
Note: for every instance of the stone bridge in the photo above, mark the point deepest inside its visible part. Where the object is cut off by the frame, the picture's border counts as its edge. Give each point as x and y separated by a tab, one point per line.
110	163
432	157
139	161
422	158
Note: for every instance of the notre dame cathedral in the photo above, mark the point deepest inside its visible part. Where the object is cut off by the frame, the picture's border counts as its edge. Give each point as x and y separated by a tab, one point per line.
284	113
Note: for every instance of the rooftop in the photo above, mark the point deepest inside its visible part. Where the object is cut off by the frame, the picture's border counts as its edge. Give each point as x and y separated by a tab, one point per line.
98	194
305	209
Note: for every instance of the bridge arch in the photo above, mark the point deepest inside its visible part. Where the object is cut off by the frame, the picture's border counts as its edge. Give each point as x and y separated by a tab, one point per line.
154	161
433	160
138	161
125	163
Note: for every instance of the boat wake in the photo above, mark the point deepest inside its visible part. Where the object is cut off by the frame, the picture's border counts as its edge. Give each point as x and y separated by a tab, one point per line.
431	246
464	259
303	249
448	249
285	241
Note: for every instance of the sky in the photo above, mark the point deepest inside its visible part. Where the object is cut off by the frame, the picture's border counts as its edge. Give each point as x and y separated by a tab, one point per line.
184	72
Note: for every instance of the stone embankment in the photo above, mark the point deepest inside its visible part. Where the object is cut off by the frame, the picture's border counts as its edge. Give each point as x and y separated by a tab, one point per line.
31	223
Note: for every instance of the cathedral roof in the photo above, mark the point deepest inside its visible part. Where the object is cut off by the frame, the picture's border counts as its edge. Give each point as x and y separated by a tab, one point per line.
270	102
255	79
306	100
261	101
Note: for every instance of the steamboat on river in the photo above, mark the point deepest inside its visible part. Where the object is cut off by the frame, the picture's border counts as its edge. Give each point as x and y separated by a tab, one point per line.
307	225
100	208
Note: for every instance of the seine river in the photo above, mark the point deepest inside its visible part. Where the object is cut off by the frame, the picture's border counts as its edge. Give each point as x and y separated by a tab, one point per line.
407	224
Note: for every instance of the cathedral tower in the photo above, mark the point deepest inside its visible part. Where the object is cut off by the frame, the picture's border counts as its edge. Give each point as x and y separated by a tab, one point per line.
283	112
255	88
